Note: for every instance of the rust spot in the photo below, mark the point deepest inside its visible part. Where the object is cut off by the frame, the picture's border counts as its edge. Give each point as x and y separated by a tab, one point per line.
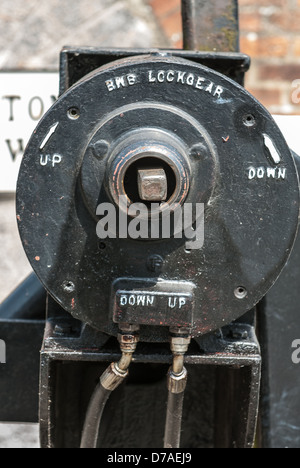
37	258
225	139
18	217
73	303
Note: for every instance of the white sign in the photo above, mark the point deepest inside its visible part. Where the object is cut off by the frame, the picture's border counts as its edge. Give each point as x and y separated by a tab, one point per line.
289	126
2	352
24	99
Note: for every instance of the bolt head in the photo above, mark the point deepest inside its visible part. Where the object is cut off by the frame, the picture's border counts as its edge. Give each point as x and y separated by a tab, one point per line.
152	184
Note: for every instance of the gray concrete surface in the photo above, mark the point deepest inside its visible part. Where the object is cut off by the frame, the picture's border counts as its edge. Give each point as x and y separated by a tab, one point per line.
32	33
19	436
14	264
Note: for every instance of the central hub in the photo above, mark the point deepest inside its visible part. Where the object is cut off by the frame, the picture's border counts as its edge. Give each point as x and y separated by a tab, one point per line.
149	166
149	154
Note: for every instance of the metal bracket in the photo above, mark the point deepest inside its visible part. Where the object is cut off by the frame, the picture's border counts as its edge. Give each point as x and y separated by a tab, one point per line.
75	63
224	375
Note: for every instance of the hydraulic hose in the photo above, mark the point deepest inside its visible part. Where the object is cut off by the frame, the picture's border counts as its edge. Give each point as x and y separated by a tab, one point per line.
111	378
177	379
93	417
174	410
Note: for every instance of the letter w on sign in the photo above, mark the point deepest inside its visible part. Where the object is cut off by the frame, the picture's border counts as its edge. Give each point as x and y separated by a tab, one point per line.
24	99
2	352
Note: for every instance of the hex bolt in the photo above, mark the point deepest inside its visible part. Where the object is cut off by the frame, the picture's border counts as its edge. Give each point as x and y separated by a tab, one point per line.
152	184
100	148
199	150
155	263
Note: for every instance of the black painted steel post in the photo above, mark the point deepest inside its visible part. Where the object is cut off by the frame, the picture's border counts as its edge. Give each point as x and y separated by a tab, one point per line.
210	25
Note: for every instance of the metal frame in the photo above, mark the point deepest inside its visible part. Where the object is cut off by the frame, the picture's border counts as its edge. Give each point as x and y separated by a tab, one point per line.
77	62
73	353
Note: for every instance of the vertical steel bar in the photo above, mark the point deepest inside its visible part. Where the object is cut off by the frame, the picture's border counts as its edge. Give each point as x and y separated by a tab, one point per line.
210	25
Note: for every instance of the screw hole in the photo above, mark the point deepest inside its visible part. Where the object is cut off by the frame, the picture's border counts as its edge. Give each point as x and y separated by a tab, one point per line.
249	120
240	292
69	287
73	113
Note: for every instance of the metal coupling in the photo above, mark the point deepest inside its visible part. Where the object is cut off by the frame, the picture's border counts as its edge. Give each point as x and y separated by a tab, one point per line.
128	342
129	328
177	382
112	377
180	339
180	344
117	371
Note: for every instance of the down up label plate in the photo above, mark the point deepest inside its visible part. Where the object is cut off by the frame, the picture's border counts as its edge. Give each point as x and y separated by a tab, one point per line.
143	302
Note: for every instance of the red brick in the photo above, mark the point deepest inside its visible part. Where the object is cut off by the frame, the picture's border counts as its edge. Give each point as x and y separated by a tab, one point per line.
265	47
164	7
178	44
250	22
288	20
172	26
255	4
296	47
282	72
268	97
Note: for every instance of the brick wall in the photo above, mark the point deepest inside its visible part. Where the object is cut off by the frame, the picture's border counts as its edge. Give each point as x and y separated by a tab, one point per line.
270	34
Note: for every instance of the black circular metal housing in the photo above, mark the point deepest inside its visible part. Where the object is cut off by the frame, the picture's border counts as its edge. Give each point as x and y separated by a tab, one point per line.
210	131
